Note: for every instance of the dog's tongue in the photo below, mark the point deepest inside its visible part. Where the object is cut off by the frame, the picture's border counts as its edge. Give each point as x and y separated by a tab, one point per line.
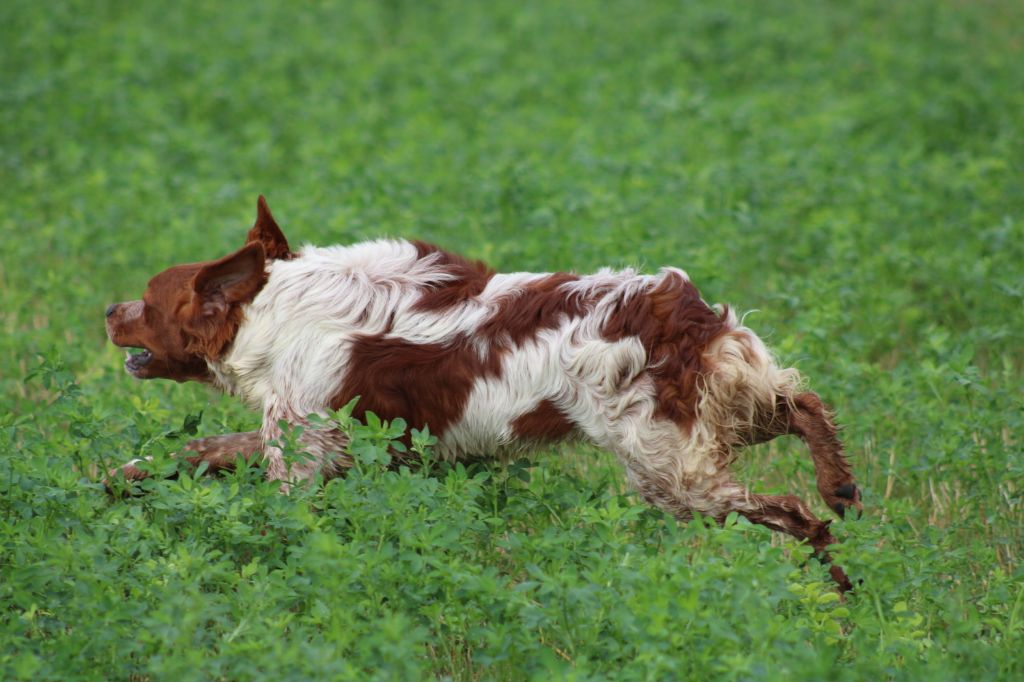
137	360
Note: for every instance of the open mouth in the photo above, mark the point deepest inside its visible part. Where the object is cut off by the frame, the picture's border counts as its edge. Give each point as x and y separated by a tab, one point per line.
136	361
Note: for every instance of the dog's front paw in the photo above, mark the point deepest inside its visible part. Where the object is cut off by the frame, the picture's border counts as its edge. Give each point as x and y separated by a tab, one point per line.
118	480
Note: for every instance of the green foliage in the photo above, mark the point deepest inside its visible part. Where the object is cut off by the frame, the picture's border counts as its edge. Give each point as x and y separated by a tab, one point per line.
850	170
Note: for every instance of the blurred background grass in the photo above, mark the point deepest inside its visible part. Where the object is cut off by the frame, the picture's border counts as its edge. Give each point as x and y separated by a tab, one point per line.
852	171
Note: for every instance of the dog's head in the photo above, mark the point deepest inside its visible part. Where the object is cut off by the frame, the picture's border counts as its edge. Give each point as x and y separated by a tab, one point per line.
190	313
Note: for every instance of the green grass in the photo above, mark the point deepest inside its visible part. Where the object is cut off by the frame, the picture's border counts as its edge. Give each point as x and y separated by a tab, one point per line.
851	170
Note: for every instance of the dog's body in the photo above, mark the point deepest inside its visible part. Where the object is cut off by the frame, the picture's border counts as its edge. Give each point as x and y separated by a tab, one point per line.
492	363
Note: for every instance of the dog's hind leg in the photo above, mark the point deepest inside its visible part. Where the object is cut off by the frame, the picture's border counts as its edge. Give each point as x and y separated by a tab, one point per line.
810	420
719	494
748	399
805	415
788	514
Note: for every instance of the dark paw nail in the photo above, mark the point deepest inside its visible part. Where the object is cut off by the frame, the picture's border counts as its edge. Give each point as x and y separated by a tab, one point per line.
848	491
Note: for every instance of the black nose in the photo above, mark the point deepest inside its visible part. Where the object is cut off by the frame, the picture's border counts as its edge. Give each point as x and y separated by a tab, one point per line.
111	308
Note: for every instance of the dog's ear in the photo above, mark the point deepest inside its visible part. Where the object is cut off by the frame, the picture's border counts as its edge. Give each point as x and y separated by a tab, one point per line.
266	232
235	278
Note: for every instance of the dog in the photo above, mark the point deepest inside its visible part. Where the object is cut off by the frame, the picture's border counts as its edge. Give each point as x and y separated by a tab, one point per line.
494	364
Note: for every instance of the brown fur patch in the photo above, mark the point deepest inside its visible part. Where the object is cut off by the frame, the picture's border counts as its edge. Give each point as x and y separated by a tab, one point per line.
538	305
426	384
675	326
471	277
544	423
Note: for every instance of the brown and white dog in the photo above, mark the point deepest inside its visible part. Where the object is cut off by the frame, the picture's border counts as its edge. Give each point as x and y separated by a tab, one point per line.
493	363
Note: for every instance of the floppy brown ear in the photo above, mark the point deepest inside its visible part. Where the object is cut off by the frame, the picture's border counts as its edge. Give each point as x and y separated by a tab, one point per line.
235	278
266	232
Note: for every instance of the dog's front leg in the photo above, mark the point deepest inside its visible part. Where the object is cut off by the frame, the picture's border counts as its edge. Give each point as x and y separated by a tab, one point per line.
318	449
221	453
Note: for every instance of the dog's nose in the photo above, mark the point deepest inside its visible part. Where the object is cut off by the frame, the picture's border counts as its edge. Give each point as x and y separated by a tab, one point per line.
111	308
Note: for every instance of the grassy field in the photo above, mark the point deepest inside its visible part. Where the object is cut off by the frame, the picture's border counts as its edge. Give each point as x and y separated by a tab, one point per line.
851	171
